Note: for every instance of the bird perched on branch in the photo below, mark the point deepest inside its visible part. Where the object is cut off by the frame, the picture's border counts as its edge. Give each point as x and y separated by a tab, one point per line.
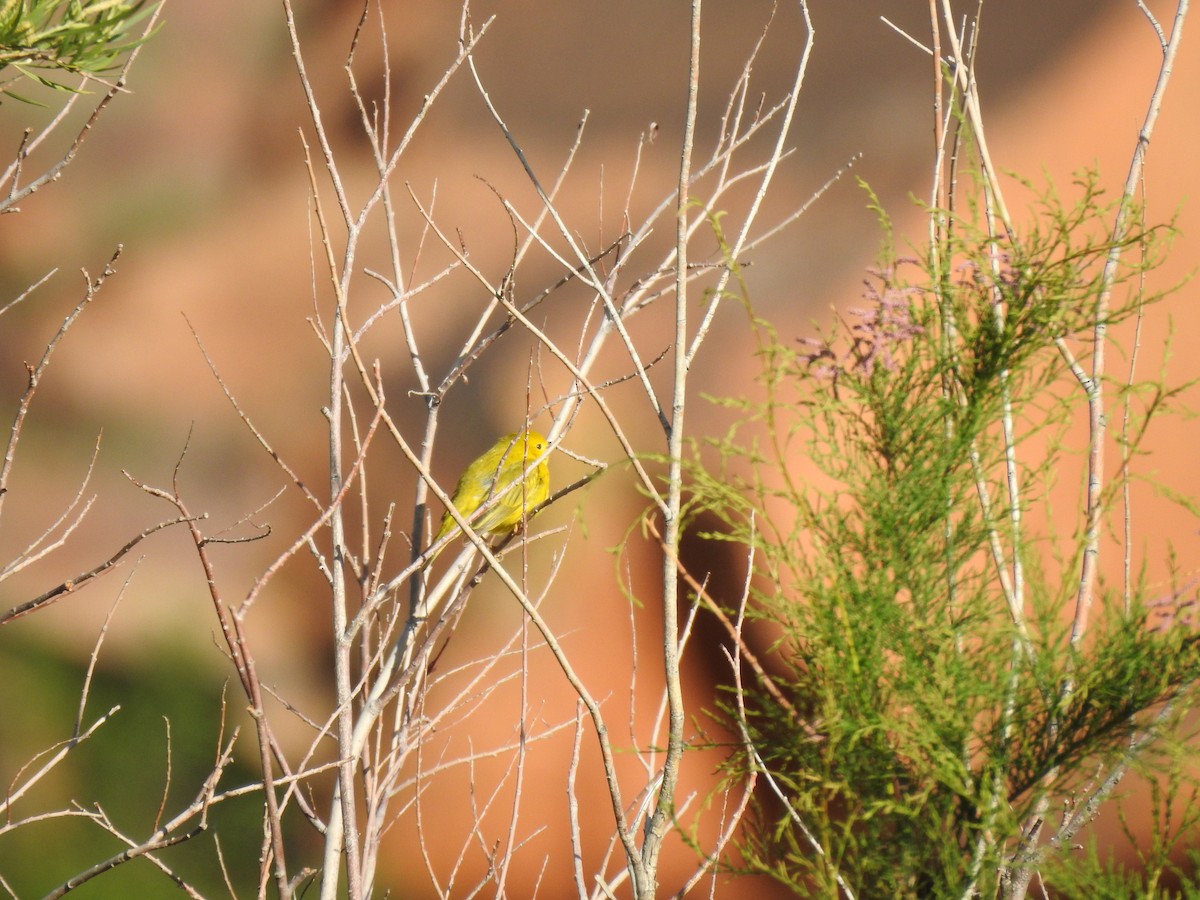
506	471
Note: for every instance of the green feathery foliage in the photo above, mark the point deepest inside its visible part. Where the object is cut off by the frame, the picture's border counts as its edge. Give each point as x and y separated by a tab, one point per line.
872	483
40	38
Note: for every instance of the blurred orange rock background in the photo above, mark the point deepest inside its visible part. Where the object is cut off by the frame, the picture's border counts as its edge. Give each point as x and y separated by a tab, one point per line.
199	173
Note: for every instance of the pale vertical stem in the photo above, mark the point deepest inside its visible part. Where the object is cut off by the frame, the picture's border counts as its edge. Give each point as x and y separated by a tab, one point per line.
341	835
1127	499
343	647
664	807
344	802
1095	387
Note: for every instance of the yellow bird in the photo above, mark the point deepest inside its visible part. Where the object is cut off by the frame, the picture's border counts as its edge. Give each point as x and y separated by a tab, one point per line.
498	473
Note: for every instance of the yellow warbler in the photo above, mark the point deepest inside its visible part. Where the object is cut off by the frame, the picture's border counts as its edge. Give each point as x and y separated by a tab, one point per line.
497	473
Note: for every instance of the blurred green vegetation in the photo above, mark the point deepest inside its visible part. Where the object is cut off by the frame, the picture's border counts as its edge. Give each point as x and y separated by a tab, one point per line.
122	768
